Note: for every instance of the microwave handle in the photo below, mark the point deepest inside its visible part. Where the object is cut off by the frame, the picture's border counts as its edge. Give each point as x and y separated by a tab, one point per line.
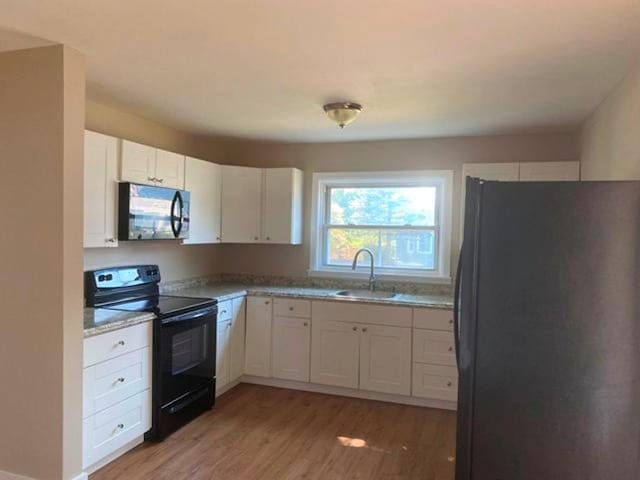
176	229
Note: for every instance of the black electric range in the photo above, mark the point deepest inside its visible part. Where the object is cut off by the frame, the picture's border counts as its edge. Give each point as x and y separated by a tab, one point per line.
184	341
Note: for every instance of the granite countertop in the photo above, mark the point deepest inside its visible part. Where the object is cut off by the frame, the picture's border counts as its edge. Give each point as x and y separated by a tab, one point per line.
225	291
101	320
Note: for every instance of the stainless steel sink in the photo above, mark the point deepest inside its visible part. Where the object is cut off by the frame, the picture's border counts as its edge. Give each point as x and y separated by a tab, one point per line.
364	294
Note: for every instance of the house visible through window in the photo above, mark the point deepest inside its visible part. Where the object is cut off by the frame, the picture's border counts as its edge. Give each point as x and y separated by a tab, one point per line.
404	218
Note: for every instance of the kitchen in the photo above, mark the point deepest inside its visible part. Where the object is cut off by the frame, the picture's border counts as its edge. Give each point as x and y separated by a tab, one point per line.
324	365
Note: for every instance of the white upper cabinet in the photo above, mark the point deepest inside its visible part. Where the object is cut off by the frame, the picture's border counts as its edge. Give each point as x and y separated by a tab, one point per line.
169	169
204	182
138	163
241	204
550	172
100	185
282	206
261	205
151	166
504	172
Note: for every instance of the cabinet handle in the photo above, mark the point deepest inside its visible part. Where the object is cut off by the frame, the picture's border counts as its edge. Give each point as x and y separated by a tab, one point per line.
159	180
121	343
111	240
223	311
355	329
152	179
121	380
449	384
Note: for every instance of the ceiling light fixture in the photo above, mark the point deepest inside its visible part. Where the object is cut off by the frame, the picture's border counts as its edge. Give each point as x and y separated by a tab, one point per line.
343	113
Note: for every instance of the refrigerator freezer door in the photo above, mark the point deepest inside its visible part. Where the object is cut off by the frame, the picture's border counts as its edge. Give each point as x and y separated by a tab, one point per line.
552	386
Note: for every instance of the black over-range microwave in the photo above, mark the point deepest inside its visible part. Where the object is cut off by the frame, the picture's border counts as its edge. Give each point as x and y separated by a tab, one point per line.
152	213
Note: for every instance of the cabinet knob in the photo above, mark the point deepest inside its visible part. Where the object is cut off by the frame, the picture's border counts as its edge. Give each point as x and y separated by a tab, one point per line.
449	384
229	325
364	329
268	238
120	426
256	238
217	238
121	343
305	324
291	309
355	329
267	302
451	321
451	349
121	380
223	311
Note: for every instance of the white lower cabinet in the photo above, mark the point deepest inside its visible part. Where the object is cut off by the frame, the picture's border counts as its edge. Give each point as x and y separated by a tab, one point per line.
435	381
335	353
385	359
116	391
291	343
230	339
258	337
113	428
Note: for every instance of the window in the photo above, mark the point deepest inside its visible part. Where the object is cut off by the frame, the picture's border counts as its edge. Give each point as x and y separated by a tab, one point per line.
403	217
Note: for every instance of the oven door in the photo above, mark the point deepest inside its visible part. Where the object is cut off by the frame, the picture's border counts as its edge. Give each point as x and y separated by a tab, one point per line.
186	354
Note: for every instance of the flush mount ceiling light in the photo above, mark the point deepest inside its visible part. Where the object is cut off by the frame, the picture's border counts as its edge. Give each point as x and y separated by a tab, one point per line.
343	113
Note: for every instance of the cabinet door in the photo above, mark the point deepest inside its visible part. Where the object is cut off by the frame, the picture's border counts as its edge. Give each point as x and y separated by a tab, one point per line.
549	171
291	338
100	184
241	204
204	181
385	359
138	163
282	205
236	343
222	354
169	169
335	353
258	337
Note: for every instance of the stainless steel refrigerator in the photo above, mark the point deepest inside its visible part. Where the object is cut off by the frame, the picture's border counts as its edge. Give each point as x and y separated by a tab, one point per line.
548	331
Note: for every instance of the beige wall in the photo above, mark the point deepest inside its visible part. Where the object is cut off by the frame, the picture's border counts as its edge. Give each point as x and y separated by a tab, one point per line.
176	261
611	135
447	153
41	131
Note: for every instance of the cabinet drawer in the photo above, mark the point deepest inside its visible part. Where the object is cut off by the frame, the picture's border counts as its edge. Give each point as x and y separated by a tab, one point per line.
109	430
433	319
361	313
287	307
113	344
110	382
431	346
225	311
435	381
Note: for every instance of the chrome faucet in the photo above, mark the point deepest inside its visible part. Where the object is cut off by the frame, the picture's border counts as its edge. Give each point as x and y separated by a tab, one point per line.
372	275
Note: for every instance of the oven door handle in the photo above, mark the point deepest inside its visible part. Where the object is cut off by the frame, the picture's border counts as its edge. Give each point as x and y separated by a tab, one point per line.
190	316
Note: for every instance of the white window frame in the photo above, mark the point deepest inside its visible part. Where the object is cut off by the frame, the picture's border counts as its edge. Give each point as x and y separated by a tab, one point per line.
443	179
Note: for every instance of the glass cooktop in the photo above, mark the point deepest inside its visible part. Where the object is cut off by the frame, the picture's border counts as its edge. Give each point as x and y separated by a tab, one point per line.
162	304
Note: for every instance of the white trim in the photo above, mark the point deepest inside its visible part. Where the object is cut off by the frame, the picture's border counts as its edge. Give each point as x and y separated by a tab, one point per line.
81	476
12	476
112	456
224	389
442	178
350	392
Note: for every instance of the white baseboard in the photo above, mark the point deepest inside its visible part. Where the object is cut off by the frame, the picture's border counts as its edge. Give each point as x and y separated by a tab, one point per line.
227	387
350	392
110	458
13	476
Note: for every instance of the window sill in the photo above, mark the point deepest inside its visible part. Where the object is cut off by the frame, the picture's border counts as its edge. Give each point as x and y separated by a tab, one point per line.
390	277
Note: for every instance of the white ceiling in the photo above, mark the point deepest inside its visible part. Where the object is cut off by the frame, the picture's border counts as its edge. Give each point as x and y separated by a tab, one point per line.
422	68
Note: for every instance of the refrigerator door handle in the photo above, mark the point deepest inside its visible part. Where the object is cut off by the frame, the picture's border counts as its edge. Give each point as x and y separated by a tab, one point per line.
456	307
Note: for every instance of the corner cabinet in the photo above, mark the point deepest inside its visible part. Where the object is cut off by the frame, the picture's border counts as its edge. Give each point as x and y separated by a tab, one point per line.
204	181
100	184
261	205
258	337
151	166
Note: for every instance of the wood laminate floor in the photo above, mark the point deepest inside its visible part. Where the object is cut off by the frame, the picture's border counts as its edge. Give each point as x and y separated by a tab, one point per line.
266	433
